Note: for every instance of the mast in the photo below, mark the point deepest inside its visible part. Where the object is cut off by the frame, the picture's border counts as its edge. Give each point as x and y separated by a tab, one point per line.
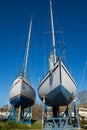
53	36
27	50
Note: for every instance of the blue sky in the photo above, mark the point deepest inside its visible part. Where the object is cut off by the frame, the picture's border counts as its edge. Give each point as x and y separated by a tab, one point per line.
15	16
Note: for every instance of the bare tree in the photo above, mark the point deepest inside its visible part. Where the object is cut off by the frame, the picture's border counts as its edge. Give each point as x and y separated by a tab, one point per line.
82	97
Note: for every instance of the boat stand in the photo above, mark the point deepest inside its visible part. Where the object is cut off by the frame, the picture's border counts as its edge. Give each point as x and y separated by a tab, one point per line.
13	116
27	117
66	121
20	115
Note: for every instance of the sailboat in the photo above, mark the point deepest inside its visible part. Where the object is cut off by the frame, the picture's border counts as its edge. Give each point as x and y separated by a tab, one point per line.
58	87
21	92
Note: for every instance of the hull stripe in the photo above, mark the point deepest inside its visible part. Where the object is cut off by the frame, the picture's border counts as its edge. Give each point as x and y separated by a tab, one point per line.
15	84
47	77
27	85
19	95
44	79
68	75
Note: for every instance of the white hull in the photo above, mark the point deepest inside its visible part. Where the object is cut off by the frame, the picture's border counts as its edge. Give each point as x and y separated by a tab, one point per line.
21	93
58	86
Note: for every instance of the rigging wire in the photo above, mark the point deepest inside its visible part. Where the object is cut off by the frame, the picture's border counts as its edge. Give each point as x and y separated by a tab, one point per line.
82	93
83	75
44	59
21	50
21	53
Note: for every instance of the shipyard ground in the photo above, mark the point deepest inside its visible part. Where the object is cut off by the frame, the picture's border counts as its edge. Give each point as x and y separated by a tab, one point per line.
4	125
36	125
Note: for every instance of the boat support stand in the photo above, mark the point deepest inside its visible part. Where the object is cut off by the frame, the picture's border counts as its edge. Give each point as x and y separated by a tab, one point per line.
18	115
69	120
13	116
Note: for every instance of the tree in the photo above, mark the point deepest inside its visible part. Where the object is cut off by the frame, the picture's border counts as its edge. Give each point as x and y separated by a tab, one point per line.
82	97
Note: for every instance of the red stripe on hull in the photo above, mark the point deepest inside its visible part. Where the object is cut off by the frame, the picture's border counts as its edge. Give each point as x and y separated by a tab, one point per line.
15	84
28	85
24	82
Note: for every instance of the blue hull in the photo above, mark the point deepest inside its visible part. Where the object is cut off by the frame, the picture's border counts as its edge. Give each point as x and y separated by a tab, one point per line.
21	101
59	96
58	86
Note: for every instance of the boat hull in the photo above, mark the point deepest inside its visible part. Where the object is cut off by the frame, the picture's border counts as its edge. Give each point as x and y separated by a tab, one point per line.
21	93
58	86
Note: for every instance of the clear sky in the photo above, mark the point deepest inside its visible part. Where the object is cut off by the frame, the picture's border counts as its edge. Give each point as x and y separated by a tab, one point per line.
15	16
